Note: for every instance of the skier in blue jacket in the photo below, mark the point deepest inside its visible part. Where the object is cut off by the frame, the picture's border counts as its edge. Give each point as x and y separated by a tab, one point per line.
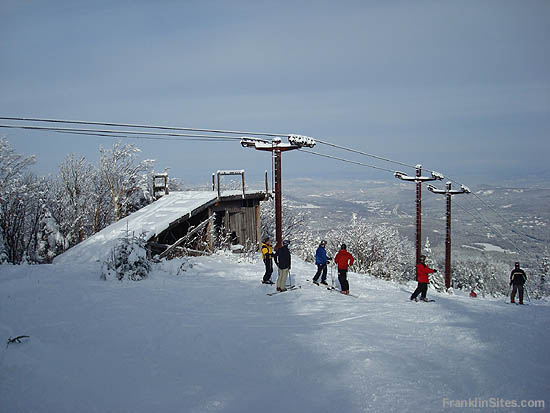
321	261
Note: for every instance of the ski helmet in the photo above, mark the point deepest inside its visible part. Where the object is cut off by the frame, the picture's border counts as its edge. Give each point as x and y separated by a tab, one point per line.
343	247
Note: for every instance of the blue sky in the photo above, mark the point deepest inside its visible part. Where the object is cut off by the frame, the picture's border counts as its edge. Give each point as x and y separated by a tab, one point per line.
462	87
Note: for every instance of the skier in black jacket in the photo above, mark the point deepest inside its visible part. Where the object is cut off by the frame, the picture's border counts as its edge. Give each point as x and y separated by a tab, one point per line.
517	279
283	261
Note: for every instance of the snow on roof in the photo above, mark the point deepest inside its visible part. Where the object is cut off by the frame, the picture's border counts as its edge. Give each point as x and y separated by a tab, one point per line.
151	220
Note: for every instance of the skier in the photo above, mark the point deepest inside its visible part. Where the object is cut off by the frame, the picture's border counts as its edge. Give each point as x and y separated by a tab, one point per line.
422	271
283	261
321	260
267	255
517	279
343	259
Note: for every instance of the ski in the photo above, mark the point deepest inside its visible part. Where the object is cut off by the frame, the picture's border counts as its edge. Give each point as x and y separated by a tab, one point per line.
328	287
338	291
332	288
317	283
291	288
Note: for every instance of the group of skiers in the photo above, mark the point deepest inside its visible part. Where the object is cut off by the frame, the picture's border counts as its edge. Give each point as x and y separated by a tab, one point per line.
282	259
344	260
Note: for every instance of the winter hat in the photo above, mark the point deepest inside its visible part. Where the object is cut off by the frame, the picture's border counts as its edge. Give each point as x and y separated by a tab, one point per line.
343	247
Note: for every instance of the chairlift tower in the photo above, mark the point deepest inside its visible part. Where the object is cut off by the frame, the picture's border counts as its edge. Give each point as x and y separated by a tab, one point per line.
418	179
448	192
277	147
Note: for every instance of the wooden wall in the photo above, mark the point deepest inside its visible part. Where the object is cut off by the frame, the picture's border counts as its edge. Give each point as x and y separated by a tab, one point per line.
241	217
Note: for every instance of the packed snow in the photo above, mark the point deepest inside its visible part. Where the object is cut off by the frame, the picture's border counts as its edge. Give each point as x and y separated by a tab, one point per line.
206	337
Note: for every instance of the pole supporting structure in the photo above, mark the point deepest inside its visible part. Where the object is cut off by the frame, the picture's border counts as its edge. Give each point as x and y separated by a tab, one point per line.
278	199
276	147
418	213
448	192
418	179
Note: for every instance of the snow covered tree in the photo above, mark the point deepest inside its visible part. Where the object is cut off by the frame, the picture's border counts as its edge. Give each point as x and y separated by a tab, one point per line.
484	275
123	176
13	202
294	222
543	289
75	191
100	204
22	200
377	249
436	279
21	206
128	259
12	165
50	240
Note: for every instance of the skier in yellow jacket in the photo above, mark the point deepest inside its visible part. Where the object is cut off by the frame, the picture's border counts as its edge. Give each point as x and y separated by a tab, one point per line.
267	257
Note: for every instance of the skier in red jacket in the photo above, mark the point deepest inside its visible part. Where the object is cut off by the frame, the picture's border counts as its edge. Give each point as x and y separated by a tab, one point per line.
422	271
343	259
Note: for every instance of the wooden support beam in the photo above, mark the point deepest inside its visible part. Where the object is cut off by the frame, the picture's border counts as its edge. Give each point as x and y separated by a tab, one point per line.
187	236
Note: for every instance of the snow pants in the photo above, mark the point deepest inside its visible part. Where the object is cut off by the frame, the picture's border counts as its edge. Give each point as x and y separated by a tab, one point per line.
343	279
281	279
421	289
517	288
321	269
268	269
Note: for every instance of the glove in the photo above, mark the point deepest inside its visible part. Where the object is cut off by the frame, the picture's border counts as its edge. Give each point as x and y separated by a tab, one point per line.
435	271
510	283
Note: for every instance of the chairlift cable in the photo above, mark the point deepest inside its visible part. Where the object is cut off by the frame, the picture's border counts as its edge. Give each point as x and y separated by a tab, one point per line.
128	125
107	131
346	160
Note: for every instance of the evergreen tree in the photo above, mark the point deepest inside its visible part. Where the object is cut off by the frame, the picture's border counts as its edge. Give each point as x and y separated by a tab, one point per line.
128	259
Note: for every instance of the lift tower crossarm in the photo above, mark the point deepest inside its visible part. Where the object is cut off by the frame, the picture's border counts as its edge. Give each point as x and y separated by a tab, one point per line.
276	146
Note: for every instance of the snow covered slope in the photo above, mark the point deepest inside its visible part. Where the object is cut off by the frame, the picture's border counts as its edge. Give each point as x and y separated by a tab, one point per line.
151	220
210	339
